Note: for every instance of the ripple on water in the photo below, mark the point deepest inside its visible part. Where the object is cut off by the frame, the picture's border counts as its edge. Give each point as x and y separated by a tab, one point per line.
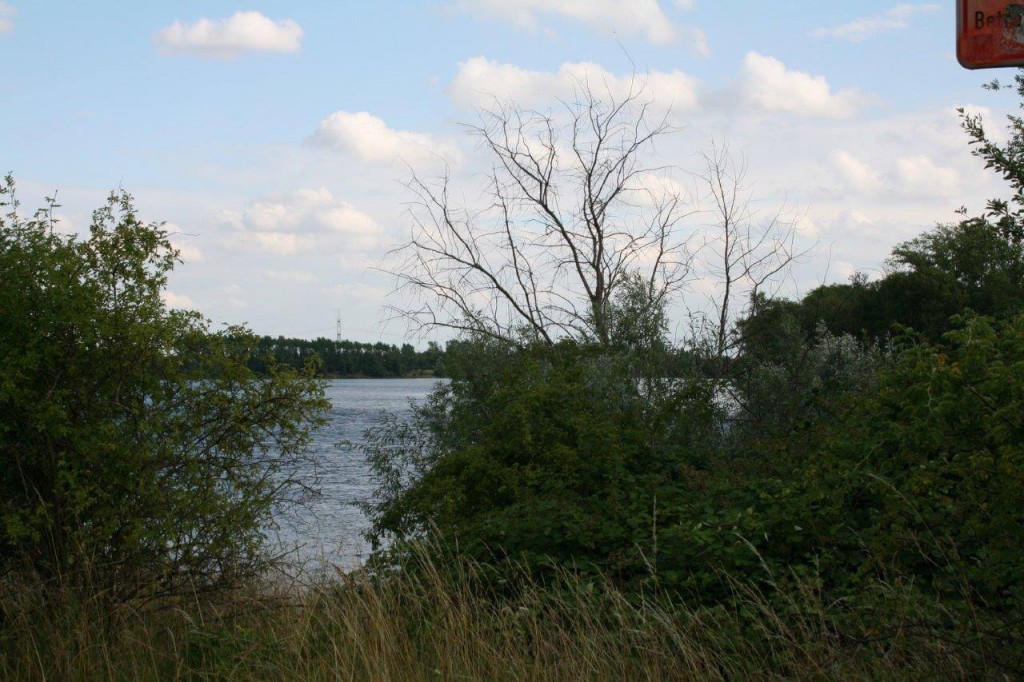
330	527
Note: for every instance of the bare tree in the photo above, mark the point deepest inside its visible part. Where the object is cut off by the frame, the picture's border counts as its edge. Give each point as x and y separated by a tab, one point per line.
744	253
569	216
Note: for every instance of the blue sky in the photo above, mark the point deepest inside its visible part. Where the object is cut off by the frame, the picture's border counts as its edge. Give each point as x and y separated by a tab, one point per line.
273	137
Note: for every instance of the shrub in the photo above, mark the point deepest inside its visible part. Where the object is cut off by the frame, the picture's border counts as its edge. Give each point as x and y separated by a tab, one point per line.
138	451
554	455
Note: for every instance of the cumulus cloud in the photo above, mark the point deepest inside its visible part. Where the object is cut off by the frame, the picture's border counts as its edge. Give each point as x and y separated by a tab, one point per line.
853	223
893	19
304	220
234	294
187	251
806	226
699	41
173	300
654	189
479	80
996	133
766	83
855	173
637	17
370	139
240	33
907	176
358	292
6	17
921	175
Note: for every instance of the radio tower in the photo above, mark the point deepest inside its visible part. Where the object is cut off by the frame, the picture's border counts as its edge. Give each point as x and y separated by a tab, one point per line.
337	336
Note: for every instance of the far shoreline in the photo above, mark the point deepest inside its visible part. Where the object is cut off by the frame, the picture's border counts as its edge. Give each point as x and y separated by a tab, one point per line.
418	375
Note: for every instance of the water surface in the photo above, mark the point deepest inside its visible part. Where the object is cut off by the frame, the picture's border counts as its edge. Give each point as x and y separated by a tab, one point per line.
331	526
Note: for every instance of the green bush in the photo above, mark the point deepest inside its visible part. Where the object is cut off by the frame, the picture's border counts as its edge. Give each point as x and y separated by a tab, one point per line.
554	455
138	451
923	480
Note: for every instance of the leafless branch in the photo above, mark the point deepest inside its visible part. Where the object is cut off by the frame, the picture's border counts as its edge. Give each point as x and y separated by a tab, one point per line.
571	215
742	252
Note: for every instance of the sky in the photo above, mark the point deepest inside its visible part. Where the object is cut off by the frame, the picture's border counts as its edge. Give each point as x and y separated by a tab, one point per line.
275	139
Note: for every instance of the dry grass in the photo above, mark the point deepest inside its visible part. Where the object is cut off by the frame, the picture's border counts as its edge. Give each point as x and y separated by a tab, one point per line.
444	622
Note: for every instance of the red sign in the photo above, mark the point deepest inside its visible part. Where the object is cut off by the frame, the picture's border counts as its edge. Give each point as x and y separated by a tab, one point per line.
990	33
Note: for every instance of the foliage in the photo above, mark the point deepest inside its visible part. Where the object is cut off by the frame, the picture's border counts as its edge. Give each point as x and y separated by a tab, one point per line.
1006	159
139	452
923	480
971	264
549	454
785	385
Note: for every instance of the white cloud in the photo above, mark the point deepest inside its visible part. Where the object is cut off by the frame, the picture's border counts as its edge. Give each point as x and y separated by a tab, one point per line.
766	83
861	29
636	17
240	33
857	174
234	296
920	175
844	269
357	293
65	224
907	177
6	17
806	226
187	252
173	300
370	139
996	132
304	220
181	242
653	189
852	223
479	80
699	40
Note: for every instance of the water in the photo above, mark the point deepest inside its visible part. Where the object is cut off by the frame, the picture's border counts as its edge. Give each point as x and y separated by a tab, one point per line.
330	527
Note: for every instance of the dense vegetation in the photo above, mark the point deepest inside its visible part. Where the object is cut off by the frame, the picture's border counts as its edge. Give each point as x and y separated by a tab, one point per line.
830	487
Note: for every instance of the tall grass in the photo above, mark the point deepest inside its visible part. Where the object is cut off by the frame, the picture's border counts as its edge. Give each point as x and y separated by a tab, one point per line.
446	620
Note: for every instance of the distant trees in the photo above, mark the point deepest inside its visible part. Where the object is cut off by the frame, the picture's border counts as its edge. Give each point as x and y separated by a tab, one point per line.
970	264
138	453
350	358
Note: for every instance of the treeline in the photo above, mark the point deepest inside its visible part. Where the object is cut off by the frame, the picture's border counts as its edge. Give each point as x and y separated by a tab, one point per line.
976	264
381	360
350	358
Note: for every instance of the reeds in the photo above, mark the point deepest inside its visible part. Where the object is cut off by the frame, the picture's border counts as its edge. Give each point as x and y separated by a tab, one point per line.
453	620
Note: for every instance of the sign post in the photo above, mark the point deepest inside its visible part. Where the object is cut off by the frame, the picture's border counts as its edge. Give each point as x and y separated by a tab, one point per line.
989	33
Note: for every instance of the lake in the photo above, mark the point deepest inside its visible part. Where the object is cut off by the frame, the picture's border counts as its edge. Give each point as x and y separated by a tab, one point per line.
330	527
